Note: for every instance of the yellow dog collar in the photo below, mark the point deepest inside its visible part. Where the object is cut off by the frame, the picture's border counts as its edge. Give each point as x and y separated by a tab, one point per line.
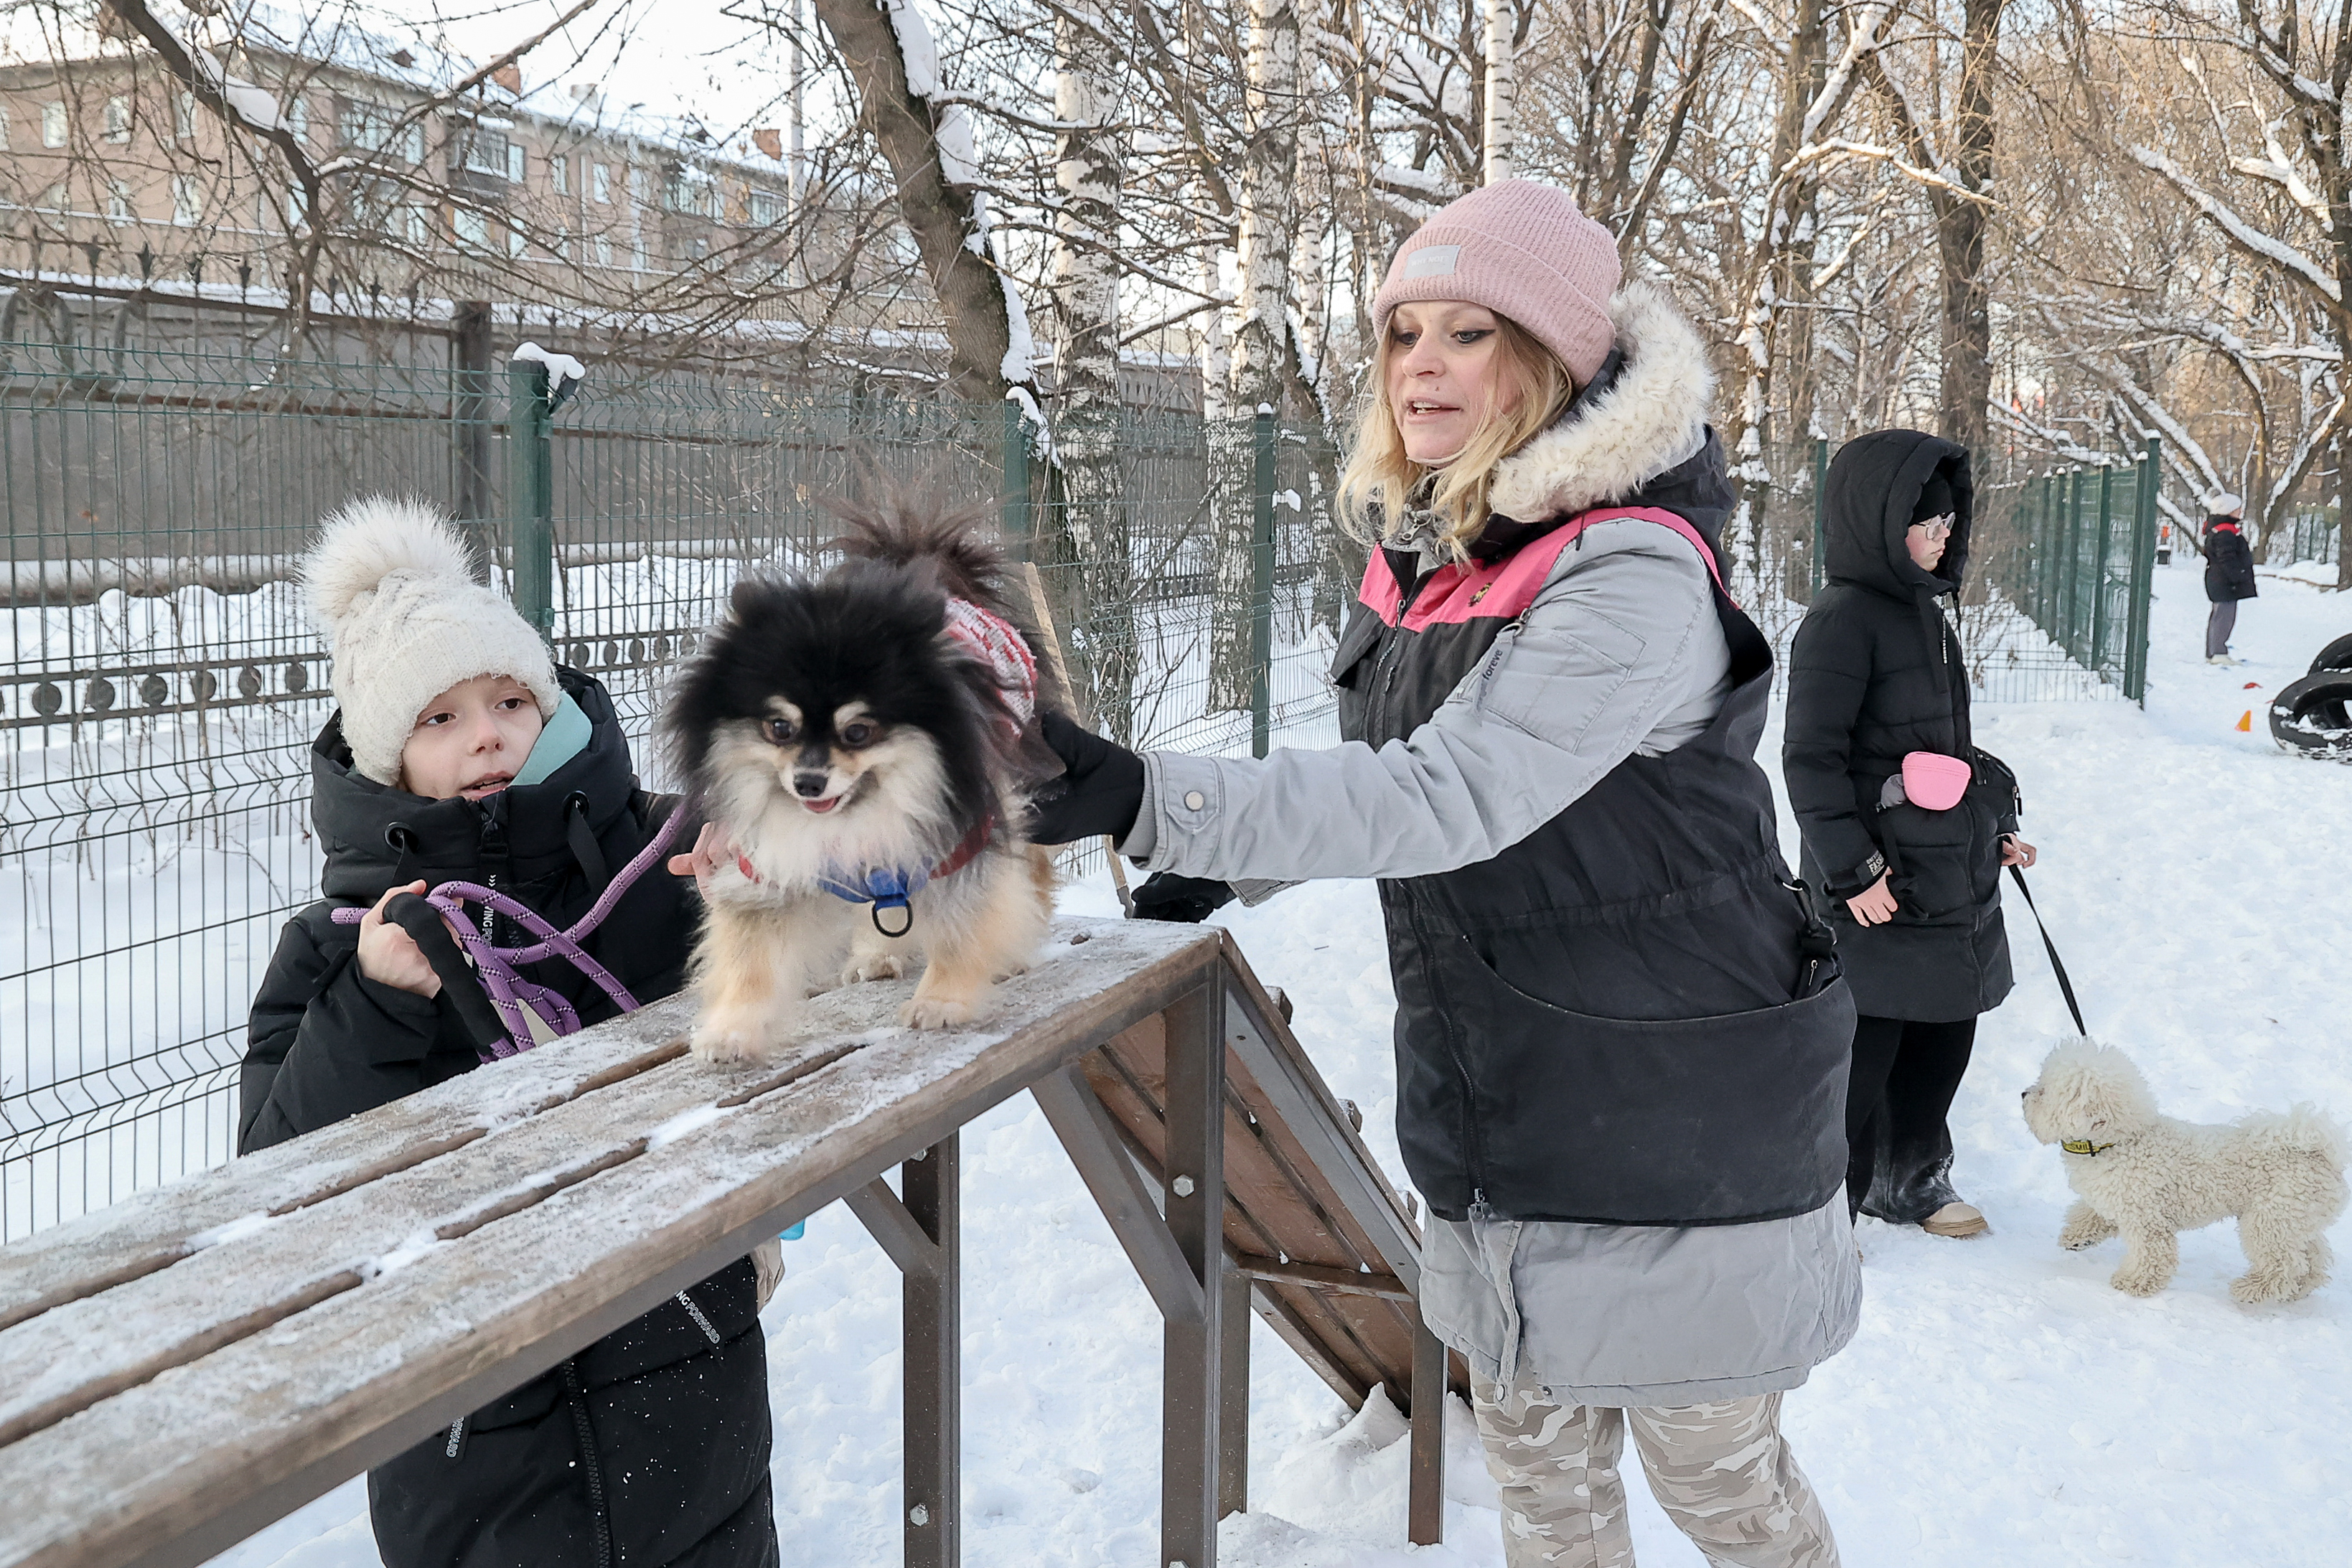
2083	1147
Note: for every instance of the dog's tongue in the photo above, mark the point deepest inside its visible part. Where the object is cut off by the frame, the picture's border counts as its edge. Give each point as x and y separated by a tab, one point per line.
827	804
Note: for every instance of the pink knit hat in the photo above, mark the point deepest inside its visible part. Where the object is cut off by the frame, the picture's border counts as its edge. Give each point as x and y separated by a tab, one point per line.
1521	249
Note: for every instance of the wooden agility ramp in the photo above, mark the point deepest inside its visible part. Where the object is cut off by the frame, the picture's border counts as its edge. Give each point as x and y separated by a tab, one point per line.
186	1367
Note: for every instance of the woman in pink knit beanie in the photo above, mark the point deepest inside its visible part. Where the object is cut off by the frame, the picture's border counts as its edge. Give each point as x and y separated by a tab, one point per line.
1622	1036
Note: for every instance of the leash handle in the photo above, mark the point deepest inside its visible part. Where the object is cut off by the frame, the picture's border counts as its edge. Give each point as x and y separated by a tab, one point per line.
423	921
2065	985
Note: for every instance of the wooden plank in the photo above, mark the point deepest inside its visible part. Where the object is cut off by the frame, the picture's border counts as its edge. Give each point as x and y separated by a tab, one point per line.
153	1229
266	1269
175	1469
1348	1281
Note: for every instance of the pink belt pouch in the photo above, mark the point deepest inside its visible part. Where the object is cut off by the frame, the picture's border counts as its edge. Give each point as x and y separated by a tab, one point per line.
1935	781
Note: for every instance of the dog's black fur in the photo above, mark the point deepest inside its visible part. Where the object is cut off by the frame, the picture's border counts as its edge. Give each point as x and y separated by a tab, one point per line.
870	630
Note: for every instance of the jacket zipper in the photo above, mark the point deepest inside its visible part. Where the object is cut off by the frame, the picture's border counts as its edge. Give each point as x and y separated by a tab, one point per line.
576	1396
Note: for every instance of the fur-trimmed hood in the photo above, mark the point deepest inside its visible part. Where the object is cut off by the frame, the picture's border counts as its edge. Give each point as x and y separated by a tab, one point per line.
1622	432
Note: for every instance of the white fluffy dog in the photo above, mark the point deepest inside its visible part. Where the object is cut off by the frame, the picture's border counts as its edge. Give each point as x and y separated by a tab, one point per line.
2147	1177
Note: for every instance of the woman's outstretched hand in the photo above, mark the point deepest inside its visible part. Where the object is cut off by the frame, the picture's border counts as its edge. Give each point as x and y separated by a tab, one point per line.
1875	905
2015	851
1099	792
711	849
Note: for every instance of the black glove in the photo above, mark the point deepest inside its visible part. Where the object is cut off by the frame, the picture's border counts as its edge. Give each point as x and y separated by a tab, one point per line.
1187	899
1099	792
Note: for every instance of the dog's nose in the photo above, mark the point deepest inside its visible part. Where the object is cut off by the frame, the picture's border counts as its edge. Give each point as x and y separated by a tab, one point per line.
809	786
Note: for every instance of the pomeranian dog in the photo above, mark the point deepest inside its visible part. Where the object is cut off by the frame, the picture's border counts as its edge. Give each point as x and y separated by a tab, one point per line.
867	741
2147	1177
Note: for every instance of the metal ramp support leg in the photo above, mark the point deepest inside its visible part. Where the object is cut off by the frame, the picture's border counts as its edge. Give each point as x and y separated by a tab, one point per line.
1192	1389
921	1234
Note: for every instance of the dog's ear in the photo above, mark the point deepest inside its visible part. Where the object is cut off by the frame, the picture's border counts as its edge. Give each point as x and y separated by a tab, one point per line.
745	599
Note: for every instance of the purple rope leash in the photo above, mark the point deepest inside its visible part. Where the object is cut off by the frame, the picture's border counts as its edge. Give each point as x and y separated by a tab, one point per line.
496	967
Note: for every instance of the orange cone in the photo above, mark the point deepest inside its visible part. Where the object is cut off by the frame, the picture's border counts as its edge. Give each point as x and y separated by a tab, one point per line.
2246	722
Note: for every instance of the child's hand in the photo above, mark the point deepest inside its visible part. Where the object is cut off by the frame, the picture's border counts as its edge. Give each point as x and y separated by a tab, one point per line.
1875	905
712	849
390	957
2015	851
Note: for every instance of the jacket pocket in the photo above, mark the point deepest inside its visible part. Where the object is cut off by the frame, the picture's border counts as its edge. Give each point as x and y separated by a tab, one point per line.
1934	855
1707	1120
1356	645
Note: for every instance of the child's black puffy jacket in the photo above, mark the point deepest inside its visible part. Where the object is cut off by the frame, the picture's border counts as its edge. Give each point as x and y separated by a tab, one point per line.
651	1446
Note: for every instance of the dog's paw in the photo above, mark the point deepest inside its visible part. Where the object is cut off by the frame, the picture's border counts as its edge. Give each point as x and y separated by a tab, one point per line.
873	967
2075	1238
2138	1282
936	1012
2260	1288
724	1046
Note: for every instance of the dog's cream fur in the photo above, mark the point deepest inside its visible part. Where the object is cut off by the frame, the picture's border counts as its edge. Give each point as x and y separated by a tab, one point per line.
2281	1176
774	939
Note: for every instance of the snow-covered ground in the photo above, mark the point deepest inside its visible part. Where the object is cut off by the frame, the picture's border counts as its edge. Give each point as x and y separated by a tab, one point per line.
2001	1405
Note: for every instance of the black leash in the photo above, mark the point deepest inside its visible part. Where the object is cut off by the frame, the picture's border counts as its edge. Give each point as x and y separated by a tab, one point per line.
2057	968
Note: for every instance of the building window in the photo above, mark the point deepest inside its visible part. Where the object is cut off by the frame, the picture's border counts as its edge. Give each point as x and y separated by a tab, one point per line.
188	201
412	142
559	172
638	184
54	198
637	250
183	119
514	241
768	208
53	125
298	121
118	201
3	128
600	183
417	225
692	190
473	229
481	150
514	162
604	250
118	120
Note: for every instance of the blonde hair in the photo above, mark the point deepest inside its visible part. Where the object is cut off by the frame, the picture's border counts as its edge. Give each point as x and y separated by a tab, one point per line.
1532	389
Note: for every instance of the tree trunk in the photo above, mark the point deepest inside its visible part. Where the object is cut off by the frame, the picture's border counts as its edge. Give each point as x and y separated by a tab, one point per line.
1261	337
1501	93
1098	590
1961	225
945	219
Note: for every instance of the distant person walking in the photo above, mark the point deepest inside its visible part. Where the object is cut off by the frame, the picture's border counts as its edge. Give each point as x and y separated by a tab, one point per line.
1906	824
2229	573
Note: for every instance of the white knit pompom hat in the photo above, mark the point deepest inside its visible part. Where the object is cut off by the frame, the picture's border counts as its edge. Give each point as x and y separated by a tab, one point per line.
392	584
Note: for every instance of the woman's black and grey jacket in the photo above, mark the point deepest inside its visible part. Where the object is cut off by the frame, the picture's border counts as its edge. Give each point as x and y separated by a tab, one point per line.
651	1446
1621	1051
1875	672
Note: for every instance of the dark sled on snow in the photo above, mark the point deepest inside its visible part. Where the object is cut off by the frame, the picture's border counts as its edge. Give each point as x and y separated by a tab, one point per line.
2312	716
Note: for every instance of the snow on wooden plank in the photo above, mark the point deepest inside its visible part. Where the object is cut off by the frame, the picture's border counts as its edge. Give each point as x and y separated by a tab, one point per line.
184	1463
160	1226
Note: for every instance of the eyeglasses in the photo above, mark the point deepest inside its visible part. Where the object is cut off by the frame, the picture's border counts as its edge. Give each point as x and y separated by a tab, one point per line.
1936	527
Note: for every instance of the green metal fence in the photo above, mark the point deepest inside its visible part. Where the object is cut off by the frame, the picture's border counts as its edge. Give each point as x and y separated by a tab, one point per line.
161	684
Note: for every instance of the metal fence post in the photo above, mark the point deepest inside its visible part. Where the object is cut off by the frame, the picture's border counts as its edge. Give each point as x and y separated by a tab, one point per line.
2099	571
530	493
2143	571
469	351
1014	519
2068	620
1820	509
1261	646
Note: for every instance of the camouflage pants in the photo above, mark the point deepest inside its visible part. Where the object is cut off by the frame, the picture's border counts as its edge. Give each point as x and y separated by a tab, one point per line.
1720	1472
